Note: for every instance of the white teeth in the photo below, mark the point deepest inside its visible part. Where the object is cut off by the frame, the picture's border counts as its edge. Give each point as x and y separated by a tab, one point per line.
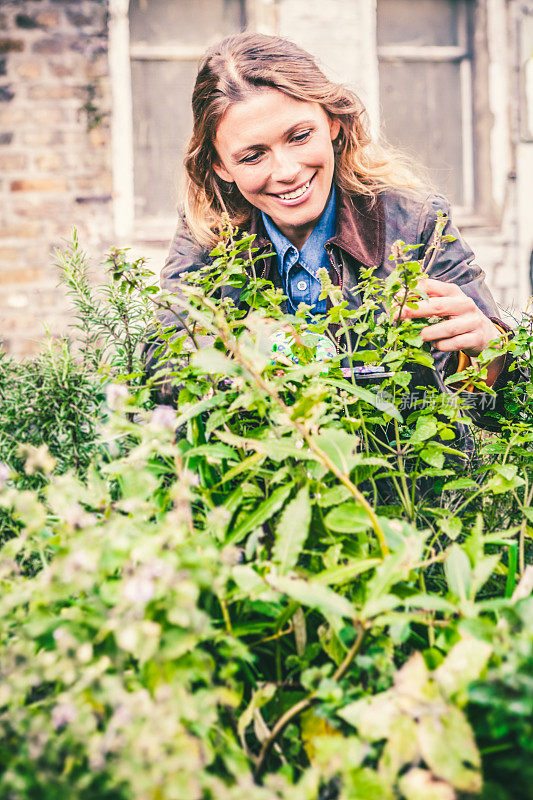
297	192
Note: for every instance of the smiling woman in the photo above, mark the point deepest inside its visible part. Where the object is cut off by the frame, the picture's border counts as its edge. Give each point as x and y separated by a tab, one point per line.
279	153
286	154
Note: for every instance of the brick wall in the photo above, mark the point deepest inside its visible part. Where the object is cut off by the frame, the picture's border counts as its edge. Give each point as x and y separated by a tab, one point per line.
55	154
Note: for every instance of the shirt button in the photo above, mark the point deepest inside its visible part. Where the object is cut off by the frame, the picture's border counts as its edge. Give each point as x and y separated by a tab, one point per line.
301	286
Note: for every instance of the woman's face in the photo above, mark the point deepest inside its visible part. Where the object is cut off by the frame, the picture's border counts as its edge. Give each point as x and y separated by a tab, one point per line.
279	153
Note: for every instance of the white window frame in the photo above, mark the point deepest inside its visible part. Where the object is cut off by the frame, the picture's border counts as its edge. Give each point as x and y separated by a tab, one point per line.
463	54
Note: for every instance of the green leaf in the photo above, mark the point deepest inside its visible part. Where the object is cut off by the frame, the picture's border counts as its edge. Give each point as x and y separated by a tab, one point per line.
198	408
340	447
448	747
451	526
420	784
464	664
337	576
459	483
426	427
348	518
334	496
311	594
292	530
458	572
375	400
276	449
262	513
212	361
432	456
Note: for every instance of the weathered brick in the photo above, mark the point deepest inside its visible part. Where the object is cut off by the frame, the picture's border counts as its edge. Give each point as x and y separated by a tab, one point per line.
47	19
49	115
26	21
53	92
48	47
41	137
97	67
13	161
39	185
21	230
29	69
98	137
95	184
32	207
48	162
11	45
6	94
78	19
9	255
61	69
12	116
23	275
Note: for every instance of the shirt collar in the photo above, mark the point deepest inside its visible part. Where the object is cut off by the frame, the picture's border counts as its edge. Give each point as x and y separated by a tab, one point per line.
323	230
360	229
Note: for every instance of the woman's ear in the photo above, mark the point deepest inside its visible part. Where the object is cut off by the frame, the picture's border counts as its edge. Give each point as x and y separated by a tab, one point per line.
334	128
222	172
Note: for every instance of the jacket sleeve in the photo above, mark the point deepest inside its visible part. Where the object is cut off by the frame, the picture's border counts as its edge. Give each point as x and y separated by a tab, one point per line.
455	263
185	255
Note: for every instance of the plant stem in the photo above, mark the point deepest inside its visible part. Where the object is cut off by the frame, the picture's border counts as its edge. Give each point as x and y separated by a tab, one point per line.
304	704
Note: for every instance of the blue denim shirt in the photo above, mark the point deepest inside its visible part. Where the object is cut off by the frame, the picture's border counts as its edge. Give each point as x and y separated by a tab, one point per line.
299	270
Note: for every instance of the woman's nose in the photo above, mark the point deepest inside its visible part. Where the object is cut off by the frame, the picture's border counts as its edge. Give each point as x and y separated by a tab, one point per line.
285	167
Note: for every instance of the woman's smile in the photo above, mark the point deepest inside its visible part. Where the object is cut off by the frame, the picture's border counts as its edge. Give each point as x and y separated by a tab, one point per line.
279	153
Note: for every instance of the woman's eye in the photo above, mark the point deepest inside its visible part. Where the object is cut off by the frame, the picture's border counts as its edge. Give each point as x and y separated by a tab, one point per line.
251	159
301	137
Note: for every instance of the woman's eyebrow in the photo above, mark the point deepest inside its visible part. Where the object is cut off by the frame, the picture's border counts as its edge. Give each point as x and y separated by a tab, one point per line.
239	153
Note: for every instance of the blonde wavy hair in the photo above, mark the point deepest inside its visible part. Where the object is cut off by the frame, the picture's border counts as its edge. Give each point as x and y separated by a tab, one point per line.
239	66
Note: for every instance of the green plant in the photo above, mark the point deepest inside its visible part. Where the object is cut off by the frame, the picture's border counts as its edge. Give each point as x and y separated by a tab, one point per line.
265	592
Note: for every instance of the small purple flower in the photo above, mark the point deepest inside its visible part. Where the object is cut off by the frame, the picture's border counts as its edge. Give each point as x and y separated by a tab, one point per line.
115	393
63	714
165	417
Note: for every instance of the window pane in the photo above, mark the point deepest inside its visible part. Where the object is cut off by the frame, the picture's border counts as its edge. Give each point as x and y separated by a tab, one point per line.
187	22
421	113
162	124
418	22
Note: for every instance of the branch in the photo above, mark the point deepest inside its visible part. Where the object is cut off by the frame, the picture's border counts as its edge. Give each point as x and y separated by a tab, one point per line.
304	704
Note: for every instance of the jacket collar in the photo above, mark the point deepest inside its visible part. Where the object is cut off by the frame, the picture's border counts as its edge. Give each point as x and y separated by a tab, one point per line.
360	228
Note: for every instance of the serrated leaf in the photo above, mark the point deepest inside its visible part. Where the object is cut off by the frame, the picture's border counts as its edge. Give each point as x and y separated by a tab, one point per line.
292	530
375	400
261	513
312	595
426	427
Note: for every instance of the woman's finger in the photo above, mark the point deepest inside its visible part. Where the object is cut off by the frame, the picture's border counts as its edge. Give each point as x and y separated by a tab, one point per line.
435	288
448	306
450	328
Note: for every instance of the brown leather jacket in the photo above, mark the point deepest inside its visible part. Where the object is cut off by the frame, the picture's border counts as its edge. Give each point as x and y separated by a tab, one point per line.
365	233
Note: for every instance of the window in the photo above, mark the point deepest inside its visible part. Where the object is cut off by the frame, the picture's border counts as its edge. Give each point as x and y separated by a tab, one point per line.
167	39
426	69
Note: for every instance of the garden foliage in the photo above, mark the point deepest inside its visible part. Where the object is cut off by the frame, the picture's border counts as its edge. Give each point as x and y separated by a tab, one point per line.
293	584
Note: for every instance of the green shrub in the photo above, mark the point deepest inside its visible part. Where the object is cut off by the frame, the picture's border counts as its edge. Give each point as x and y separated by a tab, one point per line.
283	588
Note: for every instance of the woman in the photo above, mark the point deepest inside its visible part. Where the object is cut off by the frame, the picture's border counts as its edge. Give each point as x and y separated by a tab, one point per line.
285	152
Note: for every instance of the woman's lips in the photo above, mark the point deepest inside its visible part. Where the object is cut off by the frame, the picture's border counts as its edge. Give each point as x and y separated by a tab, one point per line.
296	200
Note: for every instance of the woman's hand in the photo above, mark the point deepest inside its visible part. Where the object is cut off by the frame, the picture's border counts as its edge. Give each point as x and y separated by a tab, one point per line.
463	327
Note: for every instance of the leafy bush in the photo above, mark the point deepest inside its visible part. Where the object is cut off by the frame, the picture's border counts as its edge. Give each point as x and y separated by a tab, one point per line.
293	585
